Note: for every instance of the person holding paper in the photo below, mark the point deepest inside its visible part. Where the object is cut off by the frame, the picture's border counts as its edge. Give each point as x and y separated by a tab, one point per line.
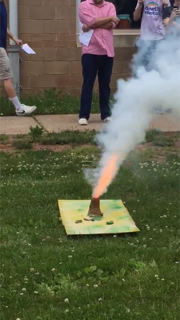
98	18
5	72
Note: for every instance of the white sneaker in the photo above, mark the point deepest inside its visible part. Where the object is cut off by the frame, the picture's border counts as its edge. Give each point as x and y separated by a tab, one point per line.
159	111
83	122
26	110
108	119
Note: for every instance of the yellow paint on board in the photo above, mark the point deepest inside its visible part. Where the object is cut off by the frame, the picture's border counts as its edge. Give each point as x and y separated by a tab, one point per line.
73	211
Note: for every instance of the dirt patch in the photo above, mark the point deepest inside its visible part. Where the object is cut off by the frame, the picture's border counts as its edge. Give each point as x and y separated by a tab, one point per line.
143	147
159	159
55	148
177	144
158	153
35	146
7	148
172	135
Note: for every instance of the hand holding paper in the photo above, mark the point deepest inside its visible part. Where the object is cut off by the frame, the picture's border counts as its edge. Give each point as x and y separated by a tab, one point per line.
28	49
85	37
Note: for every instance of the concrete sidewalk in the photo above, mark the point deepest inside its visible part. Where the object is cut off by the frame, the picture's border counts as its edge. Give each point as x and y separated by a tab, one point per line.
61	122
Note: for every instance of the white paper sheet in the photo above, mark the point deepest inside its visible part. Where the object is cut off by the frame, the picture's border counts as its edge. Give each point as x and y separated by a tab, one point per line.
28	49
85	37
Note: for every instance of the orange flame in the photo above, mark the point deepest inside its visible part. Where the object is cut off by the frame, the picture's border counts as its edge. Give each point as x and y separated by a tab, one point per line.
107	175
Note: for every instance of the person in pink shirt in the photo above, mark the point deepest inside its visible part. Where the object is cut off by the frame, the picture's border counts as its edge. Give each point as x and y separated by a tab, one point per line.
97	57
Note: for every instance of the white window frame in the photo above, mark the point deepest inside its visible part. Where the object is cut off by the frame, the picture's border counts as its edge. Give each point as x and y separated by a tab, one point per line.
77	17
116	32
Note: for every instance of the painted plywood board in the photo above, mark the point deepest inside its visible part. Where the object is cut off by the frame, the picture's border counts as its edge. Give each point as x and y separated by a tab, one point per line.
73	211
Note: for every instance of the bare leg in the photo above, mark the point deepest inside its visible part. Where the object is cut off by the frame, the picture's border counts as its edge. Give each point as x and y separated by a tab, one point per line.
6	77
20	109
8	86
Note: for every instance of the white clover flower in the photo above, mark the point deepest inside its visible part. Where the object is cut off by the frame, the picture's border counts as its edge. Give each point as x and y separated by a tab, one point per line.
66	300
66	311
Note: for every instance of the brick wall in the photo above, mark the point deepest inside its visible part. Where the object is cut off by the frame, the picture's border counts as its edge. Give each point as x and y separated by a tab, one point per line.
49	27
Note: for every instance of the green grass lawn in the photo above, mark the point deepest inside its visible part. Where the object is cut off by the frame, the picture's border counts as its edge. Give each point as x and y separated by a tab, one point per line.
47	276
49	102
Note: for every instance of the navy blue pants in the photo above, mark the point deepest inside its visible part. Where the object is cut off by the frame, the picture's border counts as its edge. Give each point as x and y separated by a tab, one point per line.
93	65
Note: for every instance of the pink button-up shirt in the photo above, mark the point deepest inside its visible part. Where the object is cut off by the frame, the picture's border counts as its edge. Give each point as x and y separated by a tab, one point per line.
102	40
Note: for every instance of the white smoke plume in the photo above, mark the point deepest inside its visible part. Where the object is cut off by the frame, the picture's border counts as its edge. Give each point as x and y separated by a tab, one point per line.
136	101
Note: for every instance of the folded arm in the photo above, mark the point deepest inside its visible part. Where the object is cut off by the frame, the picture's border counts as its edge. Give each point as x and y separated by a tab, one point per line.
112	13
91	22
107	26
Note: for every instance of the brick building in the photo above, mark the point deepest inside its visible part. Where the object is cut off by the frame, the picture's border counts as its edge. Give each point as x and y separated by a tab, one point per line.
50	28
